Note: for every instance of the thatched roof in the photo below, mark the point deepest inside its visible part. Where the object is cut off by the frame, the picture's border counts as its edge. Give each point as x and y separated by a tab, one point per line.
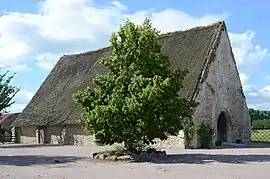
53	105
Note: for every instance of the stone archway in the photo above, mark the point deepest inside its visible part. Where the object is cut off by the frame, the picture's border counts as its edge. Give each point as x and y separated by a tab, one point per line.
40	135
222	127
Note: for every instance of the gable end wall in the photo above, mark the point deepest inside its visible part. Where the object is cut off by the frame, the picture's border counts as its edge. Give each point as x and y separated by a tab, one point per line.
222	91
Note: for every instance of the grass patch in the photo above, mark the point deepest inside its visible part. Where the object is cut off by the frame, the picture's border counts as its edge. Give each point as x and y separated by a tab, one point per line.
260	135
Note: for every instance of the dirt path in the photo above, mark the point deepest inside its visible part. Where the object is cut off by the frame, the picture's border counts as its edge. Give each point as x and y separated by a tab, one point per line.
71	162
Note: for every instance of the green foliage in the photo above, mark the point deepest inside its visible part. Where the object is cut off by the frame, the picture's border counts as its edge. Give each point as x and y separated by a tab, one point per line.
261	124
189	132
258	114
206	133
7	92
260	119
137	100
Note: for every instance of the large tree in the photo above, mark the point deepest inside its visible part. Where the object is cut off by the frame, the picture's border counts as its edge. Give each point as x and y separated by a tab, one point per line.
137	100
7	92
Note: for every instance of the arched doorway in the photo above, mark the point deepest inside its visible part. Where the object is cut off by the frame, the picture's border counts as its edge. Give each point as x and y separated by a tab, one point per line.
222	127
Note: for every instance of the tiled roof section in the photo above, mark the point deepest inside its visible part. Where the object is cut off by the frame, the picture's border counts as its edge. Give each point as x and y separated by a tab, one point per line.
7	116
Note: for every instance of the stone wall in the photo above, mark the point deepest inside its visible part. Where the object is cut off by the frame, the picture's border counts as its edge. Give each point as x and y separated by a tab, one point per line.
75	135
27	135
172	142
72	134
53	135
222	91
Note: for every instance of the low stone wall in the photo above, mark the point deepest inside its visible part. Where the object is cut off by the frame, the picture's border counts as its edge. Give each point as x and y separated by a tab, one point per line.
172	142
27	135
54	135
75	135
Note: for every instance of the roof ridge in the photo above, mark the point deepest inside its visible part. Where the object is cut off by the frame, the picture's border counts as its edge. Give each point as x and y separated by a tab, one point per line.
201	27
209	56
160	36
87	52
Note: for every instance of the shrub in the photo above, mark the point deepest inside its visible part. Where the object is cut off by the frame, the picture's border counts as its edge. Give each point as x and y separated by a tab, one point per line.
205	133
189	132
261	124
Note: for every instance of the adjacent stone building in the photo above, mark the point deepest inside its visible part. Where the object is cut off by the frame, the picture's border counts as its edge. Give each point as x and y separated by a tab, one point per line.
213	80
5	125
7	119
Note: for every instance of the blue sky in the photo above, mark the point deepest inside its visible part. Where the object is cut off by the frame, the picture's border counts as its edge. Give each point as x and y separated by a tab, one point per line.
34	34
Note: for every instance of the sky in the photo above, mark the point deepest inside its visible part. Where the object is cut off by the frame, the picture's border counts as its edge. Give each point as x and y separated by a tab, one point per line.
35	34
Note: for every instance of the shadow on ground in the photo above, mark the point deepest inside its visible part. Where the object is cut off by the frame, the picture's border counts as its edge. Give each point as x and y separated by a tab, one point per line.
9	146
28	160
240	146
211	158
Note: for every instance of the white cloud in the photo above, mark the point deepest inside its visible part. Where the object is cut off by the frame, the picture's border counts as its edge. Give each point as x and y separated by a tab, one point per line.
79	25
265	91
245	50
24	36
119	5
244	79
14	38
77	19
258	98
31	35
171	20
23	96
12	50
47	61
19	68
21	100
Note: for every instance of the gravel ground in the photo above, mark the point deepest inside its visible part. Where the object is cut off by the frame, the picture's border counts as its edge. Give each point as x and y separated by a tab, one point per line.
73	162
